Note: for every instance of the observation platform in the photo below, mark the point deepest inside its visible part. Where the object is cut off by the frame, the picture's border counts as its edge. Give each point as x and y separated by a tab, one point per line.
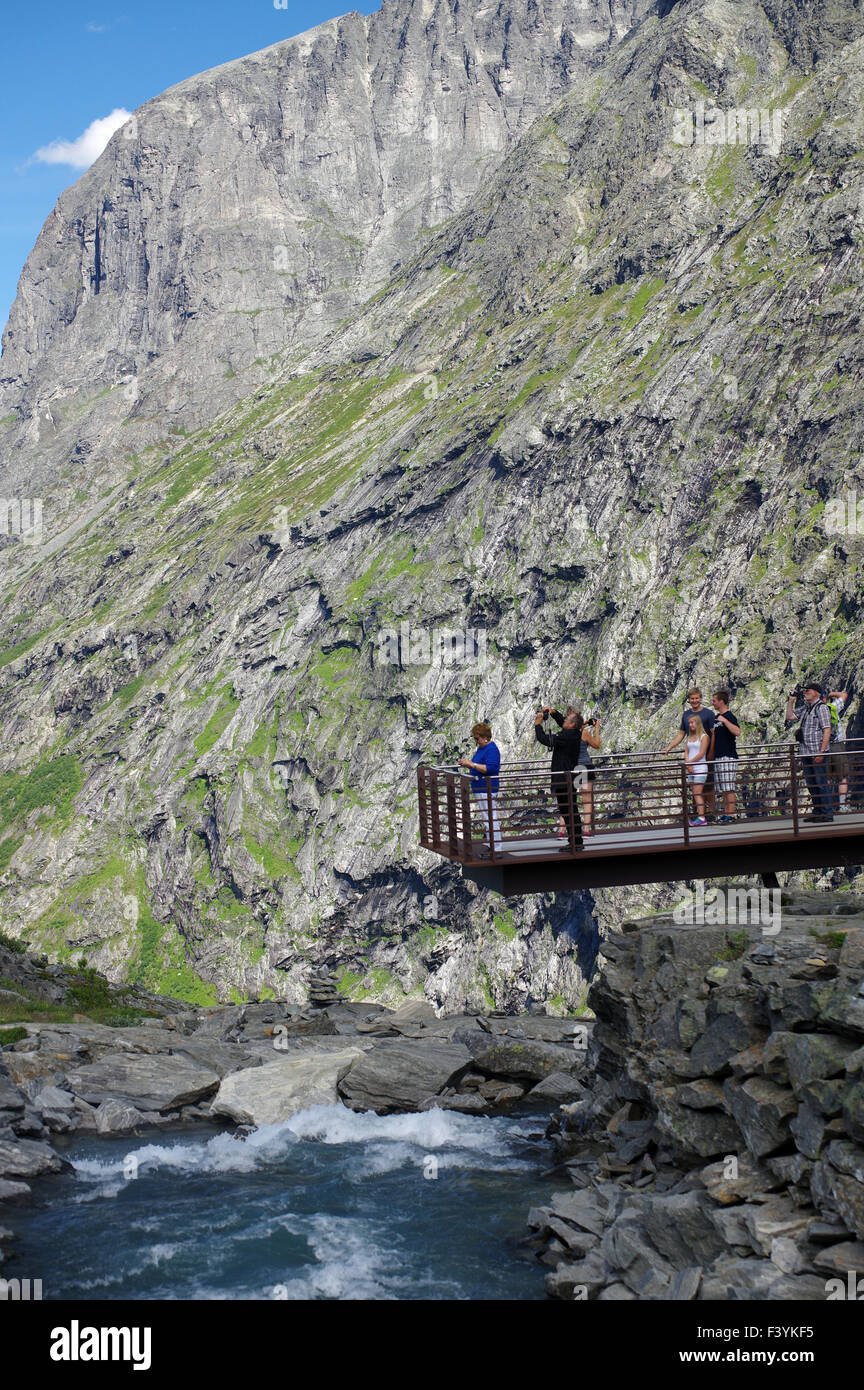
641	807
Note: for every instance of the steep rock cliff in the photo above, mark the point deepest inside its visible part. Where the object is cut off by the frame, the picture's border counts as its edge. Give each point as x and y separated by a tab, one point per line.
598	416
244	213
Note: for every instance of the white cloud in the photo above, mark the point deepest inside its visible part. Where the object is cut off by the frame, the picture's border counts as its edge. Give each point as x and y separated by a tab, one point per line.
81	153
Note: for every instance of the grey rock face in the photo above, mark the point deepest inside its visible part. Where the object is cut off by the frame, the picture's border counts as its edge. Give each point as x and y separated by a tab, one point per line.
558	353
27	1158
11	1099
116	1116
558	1087
146	1082
755	1223
273	1093
401	1076
524	1061
250	209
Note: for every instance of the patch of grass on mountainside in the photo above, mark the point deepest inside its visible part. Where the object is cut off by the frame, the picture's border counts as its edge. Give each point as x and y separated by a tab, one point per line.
314	421
157	950
13	653
88	993
263	742
126	694
334	667
155	602
8	847
639	303
274	864
51	783
13	943
179	979
218	722
189	474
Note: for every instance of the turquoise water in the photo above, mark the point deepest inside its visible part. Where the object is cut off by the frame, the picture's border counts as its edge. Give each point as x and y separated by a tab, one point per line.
331	1205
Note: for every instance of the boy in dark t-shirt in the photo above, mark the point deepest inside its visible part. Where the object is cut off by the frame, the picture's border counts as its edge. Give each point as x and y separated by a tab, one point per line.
693	706
726	734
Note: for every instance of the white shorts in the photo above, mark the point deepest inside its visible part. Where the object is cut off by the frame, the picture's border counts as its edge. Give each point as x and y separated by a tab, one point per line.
725	773
696	779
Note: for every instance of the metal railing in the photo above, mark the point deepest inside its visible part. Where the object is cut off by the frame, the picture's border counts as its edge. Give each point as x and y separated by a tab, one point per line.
777	787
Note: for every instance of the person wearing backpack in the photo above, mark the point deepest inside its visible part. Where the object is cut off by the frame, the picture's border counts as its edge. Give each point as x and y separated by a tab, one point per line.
814	736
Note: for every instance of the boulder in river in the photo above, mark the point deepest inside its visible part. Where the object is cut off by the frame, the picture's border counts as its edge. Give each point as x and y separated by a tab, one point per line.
145	1081
401	1075
274	1092
28	1158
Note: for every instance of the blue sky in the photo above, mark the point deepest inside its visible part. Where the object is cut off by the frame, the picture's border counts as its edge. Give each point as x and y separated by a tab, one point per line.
65	65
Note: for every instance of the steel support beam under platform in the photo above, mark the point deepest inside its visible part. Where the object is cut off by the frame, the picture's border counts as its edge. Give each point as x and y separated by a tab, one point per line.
730	860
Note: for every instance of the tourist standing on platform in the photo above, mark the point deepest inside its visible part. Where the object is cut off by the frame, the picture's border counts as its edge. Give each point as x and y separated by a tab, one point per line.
697	766
814	735
709	719
726	733
838	770
590	739
566	752
485	766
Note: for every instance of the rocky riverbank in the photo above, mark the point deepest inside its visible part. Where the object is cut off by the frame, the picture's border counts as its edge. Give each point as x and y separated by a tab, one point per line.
710	1123
253	1064
717	1149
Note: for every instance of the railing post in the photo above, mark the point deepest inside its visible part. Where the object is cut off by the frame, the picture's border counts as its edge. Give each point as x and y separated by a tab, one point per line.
489	814
794	783
435	810
421	801
452	833
685	818
467	837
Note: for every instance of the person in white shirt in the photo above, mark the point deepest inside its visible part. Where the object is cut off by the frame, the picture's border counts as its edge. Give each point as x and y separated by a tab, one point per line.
697	766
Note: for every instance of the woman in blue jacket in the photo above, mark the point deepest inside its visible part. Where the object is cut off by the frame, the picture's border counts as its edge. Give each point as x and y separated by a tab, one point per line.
485	766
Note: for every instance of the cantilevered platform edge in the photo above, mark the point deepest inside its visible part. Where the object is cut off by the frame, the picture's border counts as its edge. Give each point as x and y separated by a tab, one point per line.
708	860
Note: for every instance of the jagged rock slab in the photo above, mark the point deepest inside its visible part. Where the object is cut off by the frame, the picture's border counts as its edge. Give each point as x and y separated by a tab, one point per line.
27	1158
144	1081
223	1058
704	1132
53	1098
11	1098
272	1093
839	1259
402	1075
116	1116
527	1060
773	1219
13	1191
579	1280
583	1209
681	1228
558	1087
762	1110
